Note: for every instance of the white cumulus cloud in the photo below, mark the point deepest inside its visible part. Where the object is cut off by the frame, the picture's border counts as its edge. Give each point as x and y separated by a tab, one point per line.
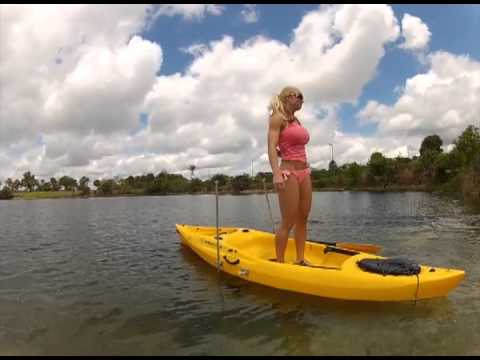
250	14
415	32
443	101
190	11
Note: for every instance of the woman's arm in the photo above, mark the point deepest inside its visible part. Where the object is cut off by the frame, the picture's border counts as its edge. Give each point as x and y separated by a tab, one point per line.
274	128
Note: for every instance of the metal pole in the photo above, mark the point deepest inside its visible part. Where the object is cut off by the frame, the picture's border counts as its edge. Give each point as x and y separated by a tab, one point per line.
216	213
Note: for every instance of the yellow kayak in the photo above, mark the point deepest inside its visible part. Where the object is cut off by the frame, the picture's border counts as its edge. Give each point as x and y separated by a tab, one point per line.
335	272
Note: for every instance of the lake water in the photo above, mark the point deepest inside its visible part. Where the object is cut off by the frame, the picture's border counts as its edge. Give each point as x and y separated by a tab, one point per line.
108	276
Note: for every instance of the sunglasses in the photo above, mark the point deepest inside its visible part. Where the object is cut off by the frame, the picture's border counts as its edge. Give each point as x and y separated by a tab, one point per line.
298	96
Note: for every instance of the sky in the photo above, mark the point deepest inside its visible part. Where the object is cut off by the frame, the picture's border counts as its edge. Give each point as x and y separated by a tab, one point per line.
115	90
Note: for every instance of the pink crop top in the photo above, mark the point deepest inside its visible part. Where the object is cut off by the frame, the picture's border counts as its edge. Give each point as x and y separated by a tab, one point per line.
292	142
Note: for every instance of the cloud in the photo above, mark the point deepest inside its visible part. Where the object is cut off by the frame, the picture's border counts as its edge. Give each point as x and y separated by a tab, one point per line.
249	14
105	90
189	11
101	78
337	49
443	101
195	50
416	33
71	72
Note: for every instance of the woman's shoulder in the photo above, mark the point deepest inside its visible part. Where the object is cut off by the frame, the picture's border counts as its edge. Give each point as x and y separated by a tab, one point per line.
277	119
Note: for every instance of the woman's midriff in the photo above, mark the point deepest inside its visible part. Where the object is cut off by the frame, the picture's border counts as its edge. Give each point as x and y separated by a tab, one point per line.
293	165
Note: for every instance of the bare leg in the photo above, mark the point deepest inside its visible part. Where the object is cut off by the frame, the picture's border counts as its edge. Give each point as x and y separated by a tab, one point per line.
288	200
305	203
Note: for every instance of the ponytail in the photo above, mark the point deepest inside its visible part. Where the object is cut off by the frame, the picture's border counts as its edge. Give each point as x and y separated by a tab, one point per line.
276	105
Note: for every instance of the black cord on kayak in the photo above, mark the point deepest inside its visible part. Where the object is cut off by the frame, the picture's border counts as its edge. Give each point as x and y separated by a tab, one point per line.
216	213
416	292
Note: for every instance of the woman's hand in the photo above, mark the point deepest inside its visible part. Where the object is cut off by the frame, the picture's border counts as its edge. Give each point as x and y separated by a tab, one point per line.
278	180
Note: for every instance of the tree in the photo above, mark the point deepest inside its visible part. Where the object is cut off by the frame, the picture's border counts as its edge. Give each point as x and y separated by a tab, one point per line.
83	182
196	185
44	186
150	178
446	167
16	185
83	187
107	187
468	145
221	178
260	177
390	171
240	183
192	170
430	149
431	143
130	181
10	184
6	193
69	183
332	167
54	183
377	165
29	181
353	173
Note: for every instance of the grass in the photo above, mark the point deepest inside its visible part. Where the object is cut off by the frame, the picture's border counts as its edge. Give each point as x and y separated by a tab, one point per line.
25	195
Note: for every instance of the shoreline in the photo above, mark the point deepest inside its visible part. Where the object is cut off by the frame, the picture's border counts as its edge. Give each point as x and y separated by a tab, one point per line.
52	195
39	195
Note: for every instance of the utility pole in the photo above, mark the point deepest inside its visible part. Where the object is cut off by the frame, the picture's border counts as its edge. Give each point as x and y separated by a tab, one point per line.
332	149
252	168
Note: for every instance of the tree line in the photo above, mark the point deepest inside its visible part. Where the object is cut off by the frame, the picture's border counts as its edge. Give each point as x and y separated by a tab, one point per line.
457	172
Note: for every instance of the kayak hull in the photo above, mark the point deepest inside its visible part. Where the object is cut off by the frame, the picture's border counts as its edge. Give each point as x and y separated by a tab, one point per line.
250	254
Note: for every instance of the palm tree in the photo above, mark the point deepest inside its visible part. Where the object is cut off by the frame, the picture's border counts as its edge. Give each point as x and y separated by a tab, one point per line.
29	181
10	184
192	170
55	184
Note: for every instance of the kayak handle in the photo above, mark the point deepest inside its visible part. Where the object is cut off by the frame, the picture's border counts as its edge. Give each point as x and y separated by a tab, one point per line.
231	262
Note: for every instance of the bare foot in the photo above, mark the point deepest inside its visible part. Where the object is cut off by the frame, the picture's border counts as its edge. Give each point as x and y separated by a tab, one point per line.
303	262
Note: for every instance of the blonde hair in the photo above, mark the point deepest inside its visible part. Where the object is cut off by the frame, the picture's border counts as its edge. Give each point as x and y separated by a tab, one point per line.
277	103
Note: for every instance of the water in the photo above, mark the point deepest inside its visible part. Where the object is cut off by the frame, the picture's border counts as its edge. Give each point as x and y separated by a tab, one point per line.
109	276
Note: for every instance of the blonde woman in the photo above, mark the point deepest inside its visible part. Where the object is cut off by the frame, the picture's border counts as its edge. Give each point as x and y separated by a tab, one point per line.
286	140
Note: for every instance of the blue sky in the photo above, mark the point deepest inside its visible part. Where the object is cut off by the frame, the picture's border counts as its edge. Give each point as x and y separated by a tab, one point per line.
161	87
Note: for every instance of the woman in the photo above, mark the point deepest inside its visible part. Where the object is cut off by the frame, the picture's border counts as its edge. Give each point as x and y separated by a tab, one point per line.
287	138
